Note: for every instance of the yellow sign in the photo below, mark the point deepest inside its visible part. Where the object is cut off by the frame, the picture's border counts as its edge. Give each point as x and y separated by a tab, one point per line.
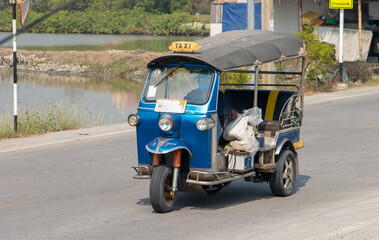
298	145
341	4
184	46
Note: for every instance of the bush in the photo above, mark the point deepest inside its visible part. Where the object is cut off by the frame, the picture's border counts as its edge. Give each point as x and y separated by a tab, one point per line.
124	21
359	72
238	78
319	55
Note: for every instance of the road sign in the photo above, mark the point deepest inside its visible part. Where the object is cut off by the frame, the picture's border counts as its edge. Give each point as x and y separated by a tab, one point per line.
341	4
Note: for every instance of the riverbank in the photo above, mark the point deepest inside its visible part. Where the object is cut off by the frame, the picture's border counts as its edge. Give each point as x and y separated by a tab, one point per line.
125	64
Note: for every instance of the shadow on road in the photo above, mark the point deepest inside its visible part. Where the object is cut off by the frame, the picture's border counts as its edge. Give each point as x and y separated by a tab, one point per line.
301	181
239	192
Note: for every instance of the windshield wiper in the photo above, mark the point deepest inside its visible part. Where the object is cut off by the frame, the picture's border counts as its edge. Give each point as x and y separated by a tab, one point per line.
169	74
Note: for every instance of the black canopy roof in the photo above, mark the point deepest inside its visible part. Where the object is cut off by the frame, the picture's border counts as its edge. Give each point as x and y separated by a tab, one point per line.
236	49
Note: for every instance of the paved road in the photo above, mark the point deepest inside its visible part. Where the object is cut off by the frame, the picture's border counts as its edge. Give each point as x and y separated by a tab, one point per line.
78	185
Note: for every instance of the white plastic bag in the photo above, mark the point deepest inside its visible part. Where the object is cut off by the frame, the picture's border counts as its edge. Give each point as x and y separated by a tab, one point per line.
248	144
237	129
254	115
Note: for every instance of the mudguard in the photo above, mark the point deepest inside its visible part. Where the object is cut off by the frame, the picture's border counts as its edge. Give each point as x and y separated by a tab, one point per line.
161	145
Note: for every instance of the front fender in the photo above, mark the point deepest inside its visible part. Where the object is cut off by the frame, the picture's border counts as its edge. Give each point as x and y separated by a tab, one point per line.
161	145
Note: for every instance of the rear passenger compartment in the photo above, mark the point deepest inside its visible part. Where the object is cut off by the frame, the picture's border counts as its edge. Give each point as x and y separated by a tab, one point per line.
278	107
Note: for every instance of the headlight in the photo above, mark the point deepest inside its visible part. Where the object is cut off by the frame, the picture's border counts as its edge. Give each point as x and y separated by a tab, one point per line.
134	119
204	124
166	123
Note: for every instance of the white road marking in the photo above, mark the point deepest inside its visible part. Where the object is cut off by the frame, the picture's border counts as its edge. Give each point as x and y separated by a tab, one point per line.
84	137
344	97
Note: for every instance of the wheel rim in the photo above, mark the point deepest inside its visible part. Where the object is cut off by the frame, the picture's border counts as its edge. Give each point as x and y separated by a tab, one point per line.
288	173
167	192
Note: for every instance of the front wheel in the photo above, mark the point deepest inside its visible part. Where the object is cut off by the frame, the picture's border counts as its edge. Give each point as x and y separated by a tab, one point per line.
282	182
162	197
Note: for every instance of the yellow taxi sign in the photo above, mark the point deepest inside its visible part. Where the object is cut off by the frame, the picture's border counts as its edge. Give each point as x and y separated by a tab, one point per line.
183	46
341	4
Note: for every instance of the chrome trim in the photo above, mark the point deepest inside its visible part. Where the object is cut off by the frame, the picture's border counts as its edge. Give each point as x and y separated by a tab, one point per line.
169	150
281	144
289	129
210	123
214	159
222	177
170	119
175	179
138	119
140	174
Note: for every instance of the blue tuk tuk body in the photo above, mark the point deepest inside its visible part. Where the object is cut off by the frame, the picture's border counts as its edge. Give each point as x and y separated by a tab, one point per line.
180	140
184	135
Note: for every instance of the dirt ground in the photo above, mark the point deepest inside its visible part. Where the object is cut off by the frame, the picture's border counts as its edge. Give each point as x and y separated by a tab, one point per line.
115	62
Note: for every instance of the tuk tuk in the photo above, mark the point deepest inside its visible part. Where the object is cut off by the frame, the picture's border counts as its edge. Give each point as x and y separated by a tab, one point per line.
194	132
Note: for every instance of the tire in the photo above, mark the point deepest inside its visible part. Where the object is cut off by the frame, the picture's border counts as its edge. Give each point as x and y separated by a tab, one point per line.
162	197
282	182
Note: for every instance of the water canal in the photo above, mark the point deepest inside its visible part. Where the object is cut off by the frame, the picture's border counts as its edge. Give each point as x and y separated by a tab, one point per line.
110	100
105	100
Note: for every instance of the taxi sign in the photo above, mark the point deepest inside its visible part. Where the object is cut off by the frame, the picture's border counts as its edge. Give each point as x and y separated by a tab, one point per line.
341	4
182	46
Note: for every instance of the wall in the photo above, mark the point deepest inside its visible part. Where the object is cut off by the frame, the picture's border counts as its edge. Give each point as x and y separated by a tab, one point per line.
286	16
351	42
320	6
373	9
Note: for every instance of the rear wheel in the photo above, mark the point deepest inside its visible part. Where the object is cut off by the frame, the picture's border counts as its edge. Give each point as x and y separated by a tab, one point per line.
282	182
162	197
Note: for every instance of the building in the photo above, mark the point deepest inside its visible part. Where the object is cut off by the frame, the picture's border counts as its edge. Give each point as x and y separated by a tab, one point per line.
284	16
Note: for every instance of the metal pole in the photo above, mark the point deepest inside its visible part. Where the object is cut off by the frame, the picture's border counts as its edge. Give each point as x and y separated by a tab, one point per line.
256	86
302	83
341	43
300	15
360	28
250	14
251	25
14	23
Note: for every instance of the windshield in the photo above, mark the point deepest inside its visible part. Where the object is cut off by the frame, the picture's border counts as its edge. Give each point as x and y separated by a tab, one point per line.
186	83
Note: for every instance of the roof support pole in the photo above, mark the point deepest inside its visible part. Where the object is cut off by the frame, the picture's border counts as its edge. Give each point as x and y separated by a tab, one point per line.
302	83
256	86
300	15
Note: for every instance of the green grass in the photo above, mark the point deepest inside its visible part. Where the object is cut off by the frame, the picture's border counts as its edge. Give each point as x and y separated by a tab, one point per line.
56	117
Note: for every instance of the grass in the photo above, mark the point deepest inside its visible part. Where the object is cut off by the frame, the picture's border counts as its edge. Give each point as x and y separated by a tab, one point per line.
57	117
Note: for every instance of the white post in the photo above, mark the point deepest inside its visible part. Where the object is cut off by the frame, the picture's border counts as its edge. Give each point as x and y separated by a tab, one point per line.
341	43
13	2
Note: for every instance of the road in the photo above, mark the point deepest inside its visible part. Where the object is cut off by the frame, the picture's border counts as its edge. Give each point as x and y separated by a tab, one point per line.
82	188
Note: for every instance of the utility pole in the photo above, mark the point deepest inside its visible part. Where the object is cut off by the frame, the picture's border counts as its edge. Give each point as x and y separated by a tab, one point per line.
360	28
251	14
14	23
341	43
251	26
